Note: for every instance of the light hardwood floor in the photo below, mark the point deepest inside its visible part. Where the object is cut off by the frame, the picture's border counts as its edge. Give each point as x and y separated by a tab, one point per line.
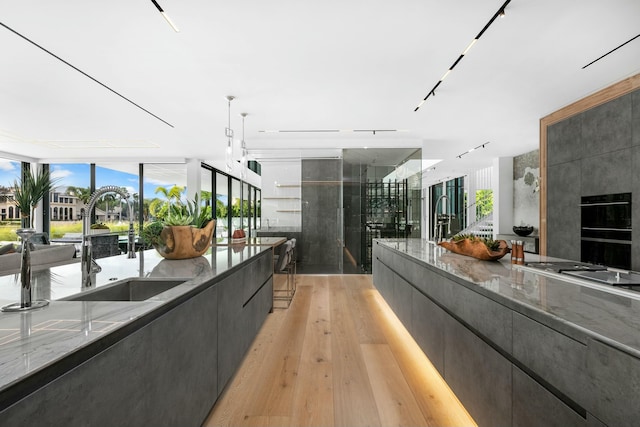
336	357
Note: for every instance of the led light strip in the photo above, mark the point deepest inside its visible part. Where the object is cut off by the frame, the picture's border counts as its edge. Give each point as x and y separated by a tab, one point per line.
165	16
25	38
473	149
373	131
611	51
500	12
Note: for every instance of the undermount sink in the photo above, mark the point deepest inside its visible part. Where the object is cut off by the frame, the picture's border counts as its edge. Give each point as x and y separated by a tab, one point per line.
137	289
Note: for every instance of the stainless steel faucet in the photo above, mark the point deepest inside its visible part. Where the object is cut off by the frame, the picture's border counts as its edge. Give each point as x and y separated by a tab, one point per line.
437	227
88	264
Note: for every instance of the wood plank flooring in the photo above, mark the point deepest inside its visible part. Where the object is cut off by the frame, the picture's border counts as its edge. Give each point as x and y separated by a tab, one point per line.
336	357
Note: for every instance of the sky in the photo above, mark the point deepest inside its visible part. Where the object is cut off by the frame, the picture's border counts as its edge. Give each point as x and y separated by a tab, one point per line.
78	175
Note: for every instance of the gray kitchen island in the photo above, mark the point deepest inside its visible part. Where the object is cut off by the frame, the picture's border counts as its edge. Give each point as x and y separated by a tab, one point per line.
518	346
160	361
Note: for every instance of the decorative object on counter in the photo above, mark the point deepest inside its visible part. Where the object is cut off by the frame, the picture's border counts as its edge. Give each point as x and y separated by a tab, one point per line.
477	247
26	303
522	230
186	232
517	252
99	228
238	236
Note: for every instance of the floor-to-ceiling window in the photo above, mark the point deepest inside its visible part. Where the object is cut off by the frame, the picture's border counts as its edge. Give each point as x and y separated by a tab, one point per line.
9	214
236	204
72	190
222	205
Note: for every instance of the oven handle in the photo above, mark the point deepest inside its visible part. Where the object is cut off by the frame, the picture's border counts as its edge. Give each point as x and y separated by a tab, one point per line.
604	204
595	239
606	229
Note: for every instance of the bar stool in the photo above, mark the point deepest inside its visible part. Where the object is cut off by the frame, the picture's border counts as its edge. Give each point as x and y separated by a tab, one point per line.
283	264
294	259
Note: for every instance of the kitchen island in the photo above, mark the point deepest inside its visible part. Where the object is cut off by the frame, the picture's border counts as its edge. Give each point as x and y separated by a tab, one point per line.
161	361
517	346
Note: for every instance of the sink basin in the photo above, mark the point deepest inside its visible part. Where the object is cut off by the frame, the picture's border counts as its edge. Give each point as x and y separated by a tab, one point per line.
608	277
127	290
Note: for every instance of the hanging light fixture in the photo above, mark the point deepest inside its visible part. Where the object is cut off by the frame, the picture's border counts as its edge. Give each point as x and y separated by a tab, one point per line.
229	134
243	160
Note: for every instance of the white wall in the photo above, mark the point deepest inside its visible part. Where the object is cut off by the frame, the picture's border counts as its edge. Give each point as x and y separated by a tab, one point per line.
281	191
502	185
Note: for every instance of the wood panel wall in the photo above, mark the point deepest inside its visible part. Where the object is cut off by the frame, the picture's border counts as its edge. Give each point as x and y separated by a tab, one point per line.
598	98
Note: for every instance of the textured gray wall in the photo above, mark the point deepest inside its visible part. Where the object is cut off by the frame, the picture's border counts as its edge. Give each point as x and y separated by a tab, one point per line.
592	153
353	200
321	200
526	197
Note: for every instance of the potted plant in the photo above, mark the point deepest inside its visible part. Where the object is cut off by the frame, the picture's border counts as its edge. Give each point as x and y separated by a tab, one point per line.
477	247
30	190
99	228
185	232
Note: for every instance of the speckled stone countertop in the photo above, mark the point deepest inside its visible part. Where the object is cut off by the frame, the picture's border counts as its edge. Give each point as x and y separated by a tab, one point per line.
31	341
576	307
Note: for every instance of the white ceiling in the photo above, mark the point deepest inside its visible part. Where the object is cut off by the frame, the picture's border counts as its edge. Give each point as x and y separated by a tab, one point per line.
300	65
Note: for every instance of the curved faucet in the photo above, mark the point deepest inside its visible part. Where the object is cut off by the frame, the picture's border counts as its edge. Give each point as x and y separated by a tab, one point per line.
436	234
88	264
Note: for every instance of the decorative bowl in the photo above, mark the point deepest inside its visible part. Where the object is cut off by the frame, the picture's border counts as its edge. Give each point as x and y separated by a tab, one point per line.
523	230
185	241
476	249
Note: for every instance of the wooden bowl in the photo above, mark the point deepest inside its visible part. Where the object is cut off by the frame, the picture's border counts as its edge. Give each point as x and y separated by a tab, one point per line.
476	249
185	241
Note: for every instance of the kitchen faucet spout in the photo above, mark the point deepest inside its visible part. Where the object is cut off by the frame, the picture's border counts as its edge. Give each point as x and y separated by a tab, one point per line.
88	264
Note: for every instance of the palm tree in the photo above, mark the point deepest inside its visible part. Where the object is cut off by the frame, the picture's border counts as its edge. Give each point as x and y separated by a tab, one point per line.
158	207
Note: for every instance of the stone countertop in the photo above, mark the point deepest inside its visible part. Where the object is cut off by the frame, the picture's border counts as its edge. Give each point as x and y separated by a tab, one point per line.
251	241
578	308
291	229
34	340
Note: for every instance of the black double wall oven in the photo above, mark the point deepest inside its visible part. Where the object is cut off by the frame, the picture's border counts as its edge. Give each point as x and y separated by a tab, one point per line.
606	230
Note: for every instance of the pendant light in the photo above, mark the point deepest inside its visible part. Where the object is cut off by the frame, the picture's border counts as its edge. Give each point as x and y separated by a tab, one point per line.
229	135
243	160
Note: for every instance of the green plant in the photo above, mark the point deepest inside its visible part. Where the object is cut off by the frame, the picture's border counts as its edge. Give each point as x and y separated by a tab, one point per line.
178	214
200	216
30	189
151	233
492	245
